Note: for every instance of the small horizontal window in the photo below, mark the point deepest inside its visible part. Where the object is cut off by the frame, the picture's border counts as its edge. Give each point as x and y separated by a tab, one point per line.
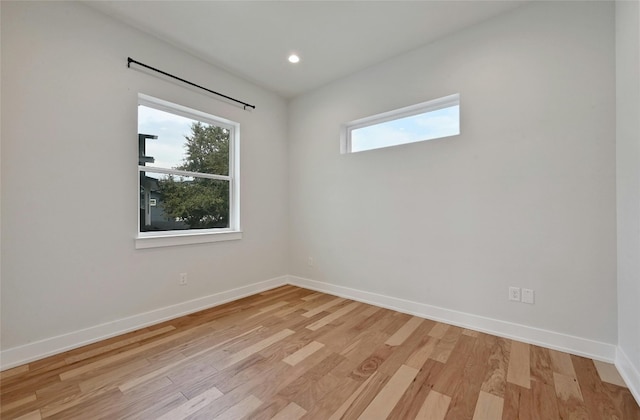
425	121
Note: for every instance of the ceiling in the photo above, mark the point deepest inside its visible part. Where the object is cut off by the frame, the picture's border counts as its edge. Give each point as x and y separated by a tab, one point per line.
252	39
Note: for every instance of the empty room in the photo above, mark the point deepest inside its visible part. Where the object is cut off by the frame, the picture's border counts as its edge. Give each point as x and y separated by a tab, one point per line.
320	210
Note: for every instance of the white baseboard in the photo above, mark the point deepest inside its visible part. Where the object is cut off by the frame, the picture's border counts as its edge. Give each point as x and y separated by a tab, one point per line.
17	356
593	349
567	343
629	373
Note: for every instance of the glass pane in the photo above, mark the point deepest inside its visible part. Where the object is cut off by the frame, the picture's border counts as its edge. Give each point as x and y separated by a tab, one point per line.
426	126
171	202
171	141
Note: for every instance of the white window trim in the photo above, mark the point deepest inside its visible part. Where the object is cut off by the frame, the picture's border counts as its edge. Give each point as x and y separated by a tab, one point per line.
156	170
196	236
171	238
396	114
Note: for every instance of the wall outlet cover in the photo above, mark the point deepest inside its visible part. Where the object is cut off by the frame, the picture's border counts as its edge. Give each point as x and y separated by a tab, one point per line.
514	294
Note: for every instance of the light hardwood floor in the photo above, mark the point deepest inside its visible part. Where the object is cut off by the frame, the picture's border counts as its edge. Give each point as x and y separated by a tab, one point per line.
291	353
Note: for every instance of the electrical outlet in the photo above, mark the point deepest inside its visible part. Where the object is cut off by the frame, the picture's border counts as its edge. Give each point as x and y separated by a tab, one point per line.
182	280
514	294
528	296
310	261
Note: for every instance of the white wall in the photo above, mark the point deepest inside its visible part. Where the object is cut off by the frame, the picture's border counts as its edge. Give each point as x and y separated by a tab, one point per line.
69	177
628	187
525	196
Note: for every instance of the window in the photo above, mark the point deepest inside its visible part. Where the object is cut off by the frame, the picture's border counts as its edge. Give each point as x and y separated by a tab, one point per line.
188	175
425	121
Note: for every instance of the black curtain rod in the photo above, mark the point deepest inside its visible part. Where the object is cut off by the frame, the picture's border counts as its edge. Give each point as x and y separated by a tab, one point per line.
244	104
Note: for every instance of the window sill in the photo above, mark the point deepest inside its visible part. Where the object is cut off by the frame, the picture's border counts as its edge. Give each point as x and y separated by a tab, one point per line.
158	241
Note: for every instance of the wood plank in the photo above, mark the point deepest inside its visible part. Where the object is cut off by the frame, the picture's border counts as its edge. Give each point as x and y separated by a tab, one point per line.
72	373
609	374
275	372
321	308
263	344
314	389
303	353
363	400
114	375
167	368
567	387
312	384
375	322
292	344
470	333
33	415
570	401
415	395
346	333
269	308
156	407
517	403
401	353
599	401
435	407
541	370
270	408
43	397
372	363
277	290
439	330
192	405
397	320
117	345
312	296
139	399
249	371
489	407
540	401
420	355
77	399
291	412
390	394
334	316
518	372
311	370
561	363
446	344
49	364
464	401
496	377
622	401
404	332
241	410
24	384
448	381
333	400
17	403
5	374
339	413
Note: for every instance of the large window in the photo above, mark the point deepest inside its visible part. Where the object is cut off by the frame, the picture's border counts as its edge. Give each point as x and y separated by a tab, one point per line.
188	173
424	121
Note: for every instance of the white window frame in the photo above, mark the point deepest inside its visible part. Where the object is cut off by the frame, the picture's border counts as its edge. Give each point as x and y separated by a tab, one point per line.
396	114
195	236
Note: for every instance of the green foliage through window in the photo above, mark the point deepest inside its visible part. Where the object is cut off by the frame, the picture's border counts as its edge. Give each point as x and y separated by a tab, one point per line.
200	202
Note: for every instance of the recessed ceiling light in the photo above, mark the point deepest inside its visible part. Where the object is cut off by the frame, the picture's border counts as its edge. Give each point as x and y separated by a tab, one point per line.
293	58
